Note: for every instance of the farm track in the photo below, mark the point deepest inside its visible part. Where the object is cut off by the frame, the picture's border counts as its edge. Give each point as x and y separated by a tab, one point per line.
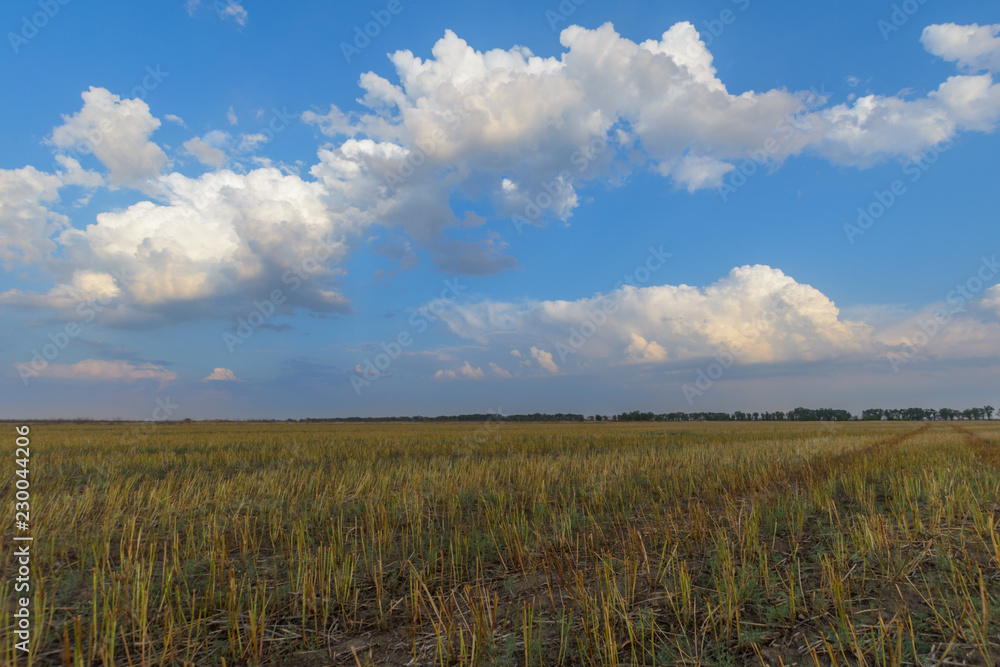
985	450
879	447
793	480
811	471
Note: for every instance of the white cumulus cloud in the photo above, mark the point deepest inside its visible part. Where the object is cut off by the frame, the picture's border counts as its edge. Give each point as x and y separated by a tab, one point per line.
117	132
758	310
221	375
504	125
466	371
974	47
544	359
241	235
205	153
25	221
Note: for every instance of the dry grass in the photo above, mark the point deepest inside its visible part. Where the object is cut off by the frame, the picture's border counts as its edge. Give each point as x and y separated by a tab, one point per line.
513	544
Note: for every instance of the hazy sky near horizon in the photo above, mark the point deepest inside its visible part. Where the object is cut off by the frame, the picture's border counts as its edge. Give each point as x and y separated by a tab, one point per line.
395	208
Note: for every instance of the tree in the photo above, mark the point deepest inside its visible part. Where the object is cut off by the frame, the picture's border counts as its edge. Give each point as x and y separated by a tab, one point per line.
989	410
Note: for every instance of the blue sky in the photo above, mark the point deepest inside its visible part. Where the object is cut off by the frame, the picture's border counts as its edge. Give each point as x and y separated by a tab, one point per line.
247	210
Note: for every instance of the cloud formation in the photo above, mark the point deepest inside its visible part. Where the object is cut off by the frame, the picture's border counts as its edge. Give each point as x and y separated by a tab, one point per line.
223	235
518	133
221	375
208	150
758	311
97	369
544	360
26	223
974	47
466	371
484	115
117	131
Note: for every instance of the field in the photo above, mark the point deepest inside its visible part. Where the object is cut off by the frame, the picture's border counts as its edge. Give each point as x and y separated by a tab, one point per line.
861	543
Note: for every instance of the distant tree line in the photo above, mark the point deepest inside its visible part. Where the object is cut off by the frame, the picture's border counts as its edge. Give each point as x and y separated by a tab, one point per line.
798	414
493	416
928	414
811	415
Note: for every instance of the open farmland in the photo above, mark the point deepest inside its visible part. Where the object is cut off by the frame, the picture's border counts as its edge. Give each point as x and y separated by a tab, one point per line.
513	544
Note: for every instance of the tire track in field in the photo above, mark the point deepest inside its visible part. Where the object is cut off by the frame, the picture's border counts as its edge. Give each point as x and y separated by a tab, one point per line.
877	447
824	466
809	472
984	450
